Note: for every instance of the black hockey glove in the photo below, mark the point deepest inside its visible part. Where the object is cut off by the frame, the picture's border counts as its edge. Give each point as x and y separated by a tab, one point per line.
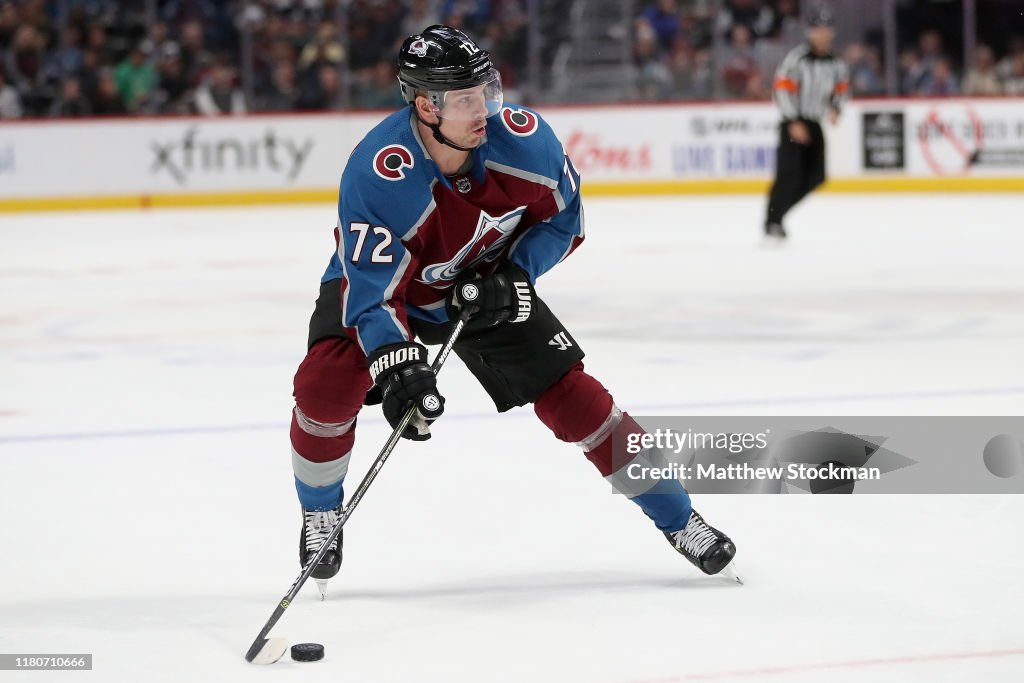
402	376
504	297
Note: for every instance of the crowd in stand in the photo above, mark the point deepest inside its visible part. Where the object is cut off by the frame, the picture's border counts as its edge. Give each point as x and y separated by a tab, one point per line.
117	57
700	49
111	57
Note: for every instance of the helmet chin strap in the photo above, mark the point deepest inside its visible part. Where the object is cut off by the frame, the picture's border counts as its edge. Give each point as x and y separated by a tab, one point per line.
438	135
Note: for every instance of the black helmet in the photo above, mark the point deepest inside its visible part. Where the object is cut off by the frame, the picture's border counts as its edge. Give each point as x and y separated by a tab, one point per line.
820	15
439	59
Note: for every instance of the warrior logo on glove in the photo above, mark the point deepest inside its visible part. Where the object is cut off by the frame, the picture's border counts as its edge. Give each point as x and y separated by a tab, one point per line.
401	373
504	297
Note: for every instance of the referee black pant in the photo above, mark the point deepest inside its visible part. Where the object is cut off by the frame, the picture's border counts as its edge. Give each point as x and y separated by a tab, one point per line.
799	169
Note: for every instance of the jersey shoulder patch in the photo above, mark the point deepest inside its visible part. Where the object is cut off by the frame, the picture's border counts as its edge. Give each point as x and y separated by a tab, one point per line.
387	179
519	121
520	138
391	161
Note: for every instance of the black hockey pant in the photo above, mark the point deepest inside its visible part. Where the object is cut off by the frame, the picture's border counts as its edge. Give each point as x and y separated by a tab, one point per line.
799	169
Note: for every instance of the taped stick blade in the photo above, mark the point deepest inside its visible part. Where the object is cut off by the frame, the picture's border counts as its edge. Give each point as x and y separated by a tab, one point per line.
267	652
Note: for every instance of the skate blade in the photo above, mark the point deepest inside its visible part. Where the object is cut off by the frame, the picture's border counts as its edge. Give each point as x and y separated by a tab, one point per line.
772	242
273	649
321	584
729	572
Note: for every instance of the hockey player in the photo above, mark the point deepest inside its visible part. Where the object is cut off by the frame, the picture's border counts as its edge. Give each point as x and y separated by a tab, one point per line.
810	84
460	196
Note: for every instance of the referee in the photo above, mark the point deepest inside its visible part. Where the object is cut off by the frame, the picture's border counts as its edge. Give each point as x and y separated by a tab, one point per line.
810	84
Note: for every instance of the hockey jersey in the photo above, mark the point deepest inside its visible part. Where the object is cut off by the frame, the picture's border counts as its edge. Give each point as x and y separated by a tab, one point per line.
406	232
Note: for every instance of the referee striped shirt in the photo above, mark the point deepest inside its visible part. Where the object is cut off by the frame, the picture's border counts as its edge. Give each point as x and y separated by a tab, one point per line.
807	85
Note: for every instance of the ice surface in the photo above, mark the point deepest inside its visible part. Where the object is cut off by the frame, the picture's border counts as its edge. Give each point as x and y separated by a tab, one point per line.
148	514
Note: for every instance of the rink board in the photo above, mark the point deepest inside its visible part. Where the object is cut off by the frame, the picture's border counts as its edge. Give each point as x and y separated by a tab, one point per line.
953	145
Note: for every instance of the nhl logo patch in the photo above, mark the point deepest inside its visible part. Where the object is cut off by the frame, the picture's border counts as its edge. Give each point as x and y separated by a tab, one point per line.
463	185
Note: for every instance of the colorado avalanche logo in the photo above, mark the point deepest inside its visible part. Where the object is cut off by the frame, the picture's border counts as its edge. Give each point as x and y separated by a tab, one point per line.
419	48
389	162
519	121
492	232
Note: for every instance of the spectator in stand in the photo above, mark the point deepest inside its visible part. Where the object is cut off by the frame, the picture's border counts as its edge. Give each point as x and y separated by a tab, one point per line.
24	62
71	102
173	90
474	13
325	48
741	71
195	58
508	41
788	28
912	71
136	77
283	92
982	78
940	81
1013	84
10	100
663	16
217	93
1006	64
67	60
89	76
323	93
755	15
653	81
419	15
9	19
702	81
98	41
865	69
381	91
931	51
364	51
107	99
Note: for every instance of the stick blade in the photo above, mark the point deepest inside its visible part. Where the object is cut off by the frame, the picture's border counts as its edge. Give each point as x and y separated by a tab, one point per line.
267	650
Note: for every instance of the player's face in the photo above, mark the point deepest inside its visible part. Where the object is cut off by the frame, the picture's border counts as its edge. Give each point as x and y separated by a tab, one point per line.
465	133
464	116
464	112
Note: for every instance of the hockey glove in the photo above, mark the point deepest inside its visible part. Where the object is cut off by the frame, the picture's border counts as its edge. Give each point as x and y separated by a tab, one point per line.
401	373
504	297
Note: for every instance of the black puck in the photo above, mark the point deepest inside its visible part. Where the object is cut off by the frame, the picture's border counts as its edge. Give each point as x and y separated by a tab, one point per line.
307	652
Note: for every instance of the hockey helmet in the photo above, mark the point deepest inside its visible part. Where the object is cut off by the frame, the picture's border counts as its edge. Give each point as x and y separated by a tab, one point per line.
452	71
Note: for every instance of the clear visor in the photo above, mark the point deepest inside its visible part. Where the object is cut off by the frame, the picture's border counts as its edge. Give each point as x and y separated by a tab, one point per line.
472	104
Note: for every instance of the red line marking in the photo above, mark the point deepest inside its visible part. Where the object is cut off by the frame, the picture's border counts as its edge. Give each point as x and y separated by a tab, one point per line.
853	664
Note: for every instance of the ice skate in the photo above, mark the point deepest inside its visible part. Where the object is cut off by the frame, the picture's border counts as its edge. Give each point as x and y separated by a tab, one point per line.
316	527
706	547
774	234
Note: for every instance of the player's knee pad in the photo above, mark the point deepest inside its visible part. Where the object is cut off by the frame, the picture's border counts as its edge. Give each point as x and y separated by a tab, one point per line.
330	385
575	406
332	381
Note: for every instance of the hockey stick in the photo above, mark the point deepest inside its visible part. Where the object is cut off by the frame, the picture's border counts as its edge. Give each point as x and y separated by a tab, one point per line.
268	650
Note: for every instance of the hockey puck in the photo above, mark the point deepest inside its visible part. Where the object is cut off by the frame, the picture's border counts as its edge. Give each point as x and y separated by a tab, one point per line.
307	652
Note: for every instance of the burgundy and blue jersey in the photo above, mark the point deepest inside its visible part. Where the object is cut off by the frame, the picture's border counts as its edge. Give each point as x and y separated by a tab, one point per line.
406	232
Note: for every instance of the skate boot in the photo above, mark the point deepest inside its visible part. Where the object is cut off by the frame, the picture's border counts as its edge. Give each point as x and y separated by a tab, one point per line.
774	232
705	546
316	527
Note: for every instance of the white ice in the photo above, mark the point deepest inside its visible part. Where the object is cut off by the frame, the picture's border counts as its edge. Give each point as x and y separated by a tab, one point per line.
148	516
